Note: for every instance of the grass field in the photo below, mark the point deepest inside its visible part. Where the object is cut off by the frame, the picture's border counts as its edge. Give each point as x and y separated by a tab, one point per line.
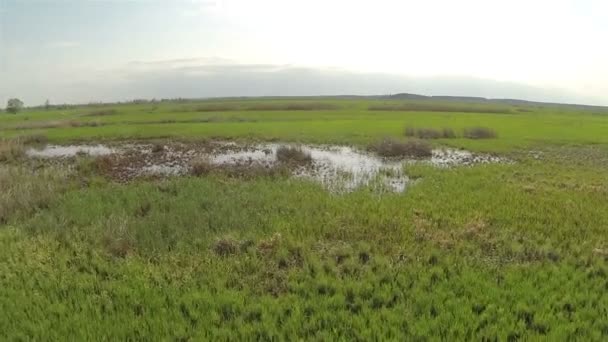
508	251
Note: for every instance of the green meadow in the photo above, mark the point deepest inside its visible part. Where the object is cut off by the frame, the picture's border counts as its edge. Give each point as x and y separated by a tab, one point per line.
510	251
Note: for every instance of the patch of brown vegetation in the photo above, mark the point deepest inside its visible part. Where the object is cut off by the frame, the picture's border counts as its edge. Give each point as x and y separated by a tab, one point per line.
425	230
11	150
293	155
603	252
33	139
201	167
270	245
480	133
226	246
392	148
117	239
430	133
104	164
24	191
157	148
475	230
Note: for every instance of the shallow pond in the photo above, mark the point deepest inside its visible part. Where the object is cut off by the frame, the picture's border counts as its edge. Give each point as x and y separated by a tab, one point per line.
63	151
338	168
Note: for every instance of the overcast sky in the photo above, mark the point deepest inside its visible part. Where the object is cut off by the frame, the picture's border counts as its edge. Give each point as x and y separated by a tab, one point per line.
85	50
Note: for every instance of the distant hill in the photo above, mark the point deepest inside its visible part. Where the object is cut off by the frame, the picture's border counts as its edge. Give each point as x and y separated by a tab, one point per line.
399	96
514	102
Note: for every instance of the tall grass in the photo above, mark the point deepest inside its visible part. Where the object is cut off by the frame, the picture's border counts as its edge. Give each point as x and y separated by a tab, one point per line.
11	150
284	259
23	191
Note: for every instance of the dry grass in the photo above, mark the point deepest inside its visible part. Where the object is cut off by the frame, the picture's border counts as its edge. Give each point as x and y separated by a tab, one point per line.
480	133
157	148
117	239
23	191
33	139
104	164
392	148
201	167
11	150
293	155
226	246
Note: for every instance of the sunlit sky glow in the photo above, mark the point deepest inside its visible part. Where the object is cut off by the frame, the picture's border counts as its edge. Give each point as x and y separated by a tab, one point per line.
80	51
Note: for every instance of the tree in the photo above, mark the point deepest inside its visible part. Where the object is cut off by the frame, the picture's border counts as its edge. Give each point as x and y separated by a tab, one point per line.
14	106
47	105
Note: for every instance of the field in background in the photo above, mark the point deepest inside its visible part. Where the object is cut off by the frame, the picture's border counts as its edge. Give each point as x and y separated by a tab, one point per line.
315	121
509	251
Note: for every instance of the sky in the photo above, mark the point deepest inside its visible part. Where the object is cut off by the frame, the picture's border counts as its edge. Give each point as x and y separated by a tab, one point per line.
79	51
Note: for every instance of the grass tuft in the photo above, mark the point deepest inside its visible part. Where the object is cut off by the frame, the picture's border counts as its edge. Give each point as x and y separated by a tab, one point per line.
201	167
293	155
157	148
226	246
117	239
